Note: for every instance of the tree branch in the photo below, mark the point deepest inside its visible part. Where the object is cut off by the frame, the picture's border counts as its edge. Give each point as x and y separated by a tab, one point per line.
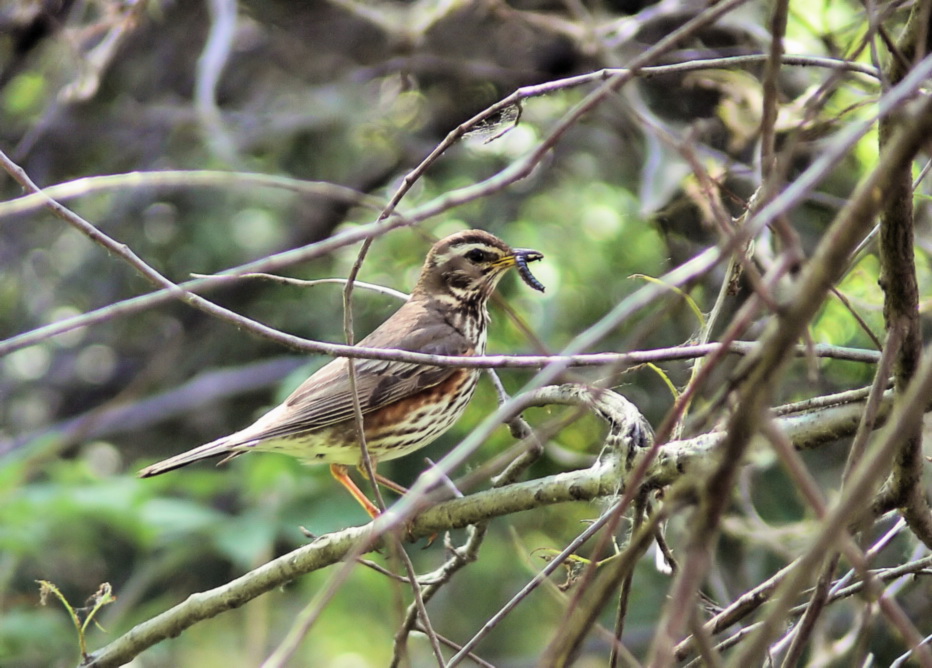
603	479
901	292
756	376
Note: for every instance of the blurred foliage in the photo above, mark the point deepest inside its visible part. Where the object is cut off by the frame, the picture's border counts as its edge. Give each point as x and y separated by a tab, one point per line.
318	91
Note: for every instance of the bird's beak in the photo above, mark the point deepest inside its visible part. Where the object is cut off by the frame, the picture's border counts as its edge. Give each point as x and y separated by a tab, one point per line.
519	256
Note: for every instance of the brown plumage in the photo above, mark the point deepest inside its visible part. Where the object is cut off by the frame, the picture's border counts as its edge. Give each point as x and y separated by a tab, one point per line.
405	406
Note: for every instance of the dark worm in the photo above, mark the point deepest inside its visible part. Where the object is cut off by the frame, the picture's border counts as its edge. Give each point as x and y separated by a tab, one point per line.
522	257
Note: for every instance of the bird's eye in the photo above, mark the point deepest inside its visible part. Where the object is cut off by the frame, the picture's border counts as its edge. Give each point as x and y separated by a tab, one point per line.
476	255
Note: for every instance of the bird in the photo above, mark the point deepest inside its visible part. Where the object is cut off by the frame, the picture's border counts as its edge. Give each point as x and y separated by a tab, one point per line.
405	406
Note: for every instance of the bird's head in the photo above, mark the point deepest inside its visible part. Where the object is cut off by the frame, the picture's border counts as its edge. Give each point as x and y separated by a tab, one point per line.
466	266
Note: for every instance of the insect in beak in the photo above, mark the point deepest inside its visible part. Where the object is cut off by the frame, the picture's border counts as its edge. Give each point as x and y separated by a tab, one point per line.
522	257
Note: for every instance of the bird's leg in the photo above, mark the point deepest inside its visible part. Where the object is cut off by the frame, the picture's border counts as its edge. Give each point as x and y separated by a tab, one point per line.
381	479
390	484
339	471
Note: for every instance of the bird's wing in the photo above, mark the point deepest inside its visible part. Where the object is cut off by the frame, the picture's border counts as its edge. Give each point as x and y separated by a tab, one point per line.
326	398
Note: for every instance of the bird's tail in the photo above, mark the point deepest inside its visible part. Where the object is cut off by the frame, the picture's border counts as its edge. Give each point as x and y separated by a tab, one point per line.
213	449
